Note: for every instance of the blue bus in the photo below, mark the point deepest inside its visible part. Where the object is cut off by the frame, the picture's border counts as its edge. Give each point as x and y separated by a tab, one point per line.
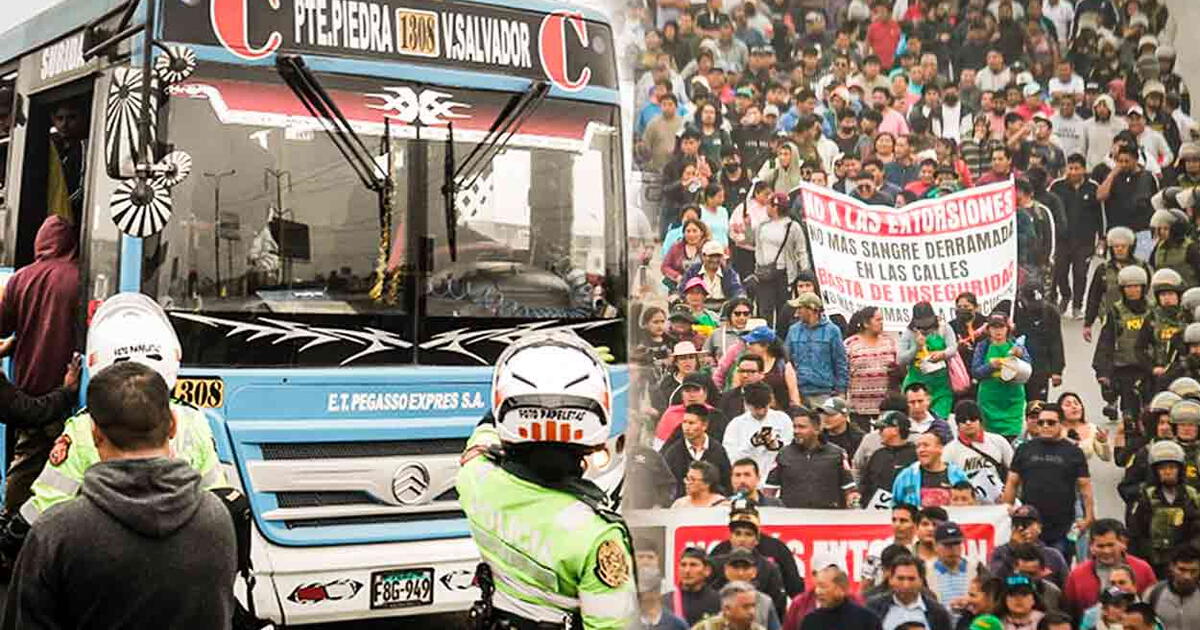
348	208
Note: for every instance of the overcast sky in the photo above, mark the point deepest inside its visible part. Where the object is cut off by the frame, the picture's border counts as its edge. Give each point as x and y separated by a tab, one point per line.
16	11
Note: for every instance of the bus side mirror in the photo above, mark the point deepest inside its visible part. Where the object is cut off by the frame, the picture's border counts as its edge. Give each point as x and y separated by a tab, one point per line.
123	148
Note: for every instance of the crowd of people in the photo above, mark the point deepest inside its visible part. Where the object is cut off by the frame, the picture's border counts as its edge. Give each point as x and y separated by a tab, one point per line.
751	392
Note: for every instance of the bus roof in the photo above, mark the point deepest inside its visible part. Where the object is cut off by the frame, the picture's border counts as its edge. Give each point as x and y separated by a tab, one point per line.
70	15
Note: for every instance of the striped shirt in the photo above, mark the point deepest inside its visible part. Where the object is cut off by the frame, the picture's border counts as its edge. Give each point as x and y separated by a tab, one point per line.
869	366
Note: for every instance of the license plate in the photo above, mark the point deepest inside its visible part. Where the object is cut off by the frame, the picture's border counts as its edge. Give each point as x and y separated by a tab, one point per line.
402	588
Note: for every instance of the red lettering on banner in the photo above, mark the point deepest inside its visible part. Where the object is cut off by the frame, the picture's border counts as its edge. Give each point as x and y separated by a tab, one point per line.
975	208
848	545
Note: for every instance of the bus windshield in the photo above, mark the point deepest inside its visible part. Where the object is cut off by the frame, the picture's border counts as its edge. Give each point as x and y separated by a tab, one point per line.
274	220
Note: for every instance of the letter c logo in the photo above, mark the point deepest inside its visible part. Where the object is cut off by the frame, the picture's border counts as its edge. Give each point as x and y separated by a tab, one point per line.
231	26
552	37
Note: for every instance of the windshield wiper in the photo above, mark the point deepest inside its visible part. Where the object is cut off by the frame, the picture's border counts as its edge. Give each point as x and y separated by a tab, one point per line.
518	109
297	76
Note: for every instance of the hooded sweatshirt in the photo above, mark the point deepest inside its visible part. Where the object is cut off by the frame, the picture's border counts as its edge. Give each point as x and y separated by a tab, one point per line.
1098	135
143	547
39	307
783	180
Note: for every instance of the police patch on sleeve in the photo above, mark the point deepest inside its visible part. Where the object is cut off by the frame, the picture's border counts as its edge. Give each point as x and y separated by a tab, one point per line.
62	447
612	564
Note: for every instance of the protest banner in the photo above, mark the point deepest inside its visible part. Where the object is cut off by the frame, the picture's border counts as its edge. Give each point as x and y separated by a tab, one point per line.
930	250
851	539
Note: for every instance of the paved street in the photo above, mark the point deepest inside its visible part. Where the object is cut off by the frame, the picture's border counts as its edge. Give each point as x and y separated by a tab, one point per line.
1080	379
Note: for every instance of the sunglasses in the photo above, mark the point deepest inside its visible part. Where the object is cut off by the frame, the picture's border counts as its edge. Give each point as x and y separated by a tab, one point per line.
1047	423
742	313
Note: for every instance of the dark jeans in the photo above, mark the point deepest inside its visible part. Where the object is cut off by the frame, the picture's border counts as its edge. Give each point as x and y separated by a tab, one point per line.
772	297
1126	390
30	453
1070	270
1037	387
1064	546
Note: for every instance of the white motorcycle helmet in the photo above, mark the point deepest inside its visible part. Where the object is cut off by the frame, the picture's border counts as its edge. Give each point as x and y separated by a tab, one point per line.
133	327
552	388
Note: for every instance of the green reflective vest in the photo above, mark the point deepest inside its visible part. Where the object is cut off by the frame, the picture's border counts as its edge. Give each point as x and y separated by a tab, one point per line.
551	554
1167	322
1112	291
1167	520
1171	255
1128	327
74	452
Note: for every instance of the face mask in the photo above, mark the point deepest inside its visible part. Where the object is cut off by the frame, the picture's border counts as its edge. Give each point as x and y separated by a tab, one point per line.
1193	362
963	314
732	167
952	99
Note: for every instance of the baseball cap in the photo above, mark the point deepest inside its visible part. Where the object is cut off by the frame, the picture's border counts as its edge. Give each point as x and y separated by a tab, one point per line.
1043	118
1114	595
744	91
1092	87
684	349
948	533
1031	89
832	406
923	315
690	133
694	283
694	380
986	622
1136	110
712	248
695	552
770	110
761	334
740	556
1026	513
744	517
1018	583
682	313
1034	406
807	300
891	419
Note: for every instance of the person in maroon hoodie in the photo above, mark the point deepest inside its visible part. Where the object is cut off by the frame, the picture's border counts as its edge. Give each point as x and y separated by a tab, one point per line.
39	307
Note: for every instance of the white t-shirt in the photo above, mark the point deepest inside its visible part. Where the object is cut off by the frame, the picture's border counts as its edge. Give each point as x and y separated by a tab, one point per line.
1074	85
988	482
760	440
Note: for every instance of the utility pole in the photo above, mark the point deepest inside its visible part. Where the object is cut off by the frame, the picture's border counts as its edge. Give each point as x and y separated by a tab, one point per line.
279	175
217	177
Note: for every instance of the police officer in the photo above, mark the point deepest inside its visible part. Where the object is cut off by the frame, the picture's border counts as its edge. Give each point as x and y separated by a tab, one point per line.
554	554
1167	511
1174	248
126	327
1185	421
1156	343
1104	290
1186	361
1136	456
1116	363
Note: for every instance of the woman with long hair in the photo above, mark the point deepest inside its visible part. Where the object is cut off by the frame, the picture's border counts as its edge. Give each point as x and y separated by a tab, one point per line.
780	254
712	137
685	253
699	483
983	598
977	148
1091	439
871	356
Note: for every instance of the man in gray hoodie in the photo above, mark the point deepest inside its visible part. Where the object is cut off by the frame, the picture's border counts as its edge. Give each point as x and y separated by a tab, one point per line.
144	546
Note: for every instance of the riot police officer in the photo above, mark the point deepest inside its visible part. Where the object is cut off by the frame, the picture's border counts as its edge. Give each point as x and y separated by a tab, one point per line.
1104	290
1185	420
1186	361
1167	511
1156	343
1118	368
554	554
1135	456
1174	248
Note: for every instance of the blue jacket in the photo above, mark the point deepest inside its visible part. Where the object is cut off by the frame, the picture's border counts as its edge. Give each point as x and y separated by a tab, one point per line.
980	368
731	285
907	486
819	357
